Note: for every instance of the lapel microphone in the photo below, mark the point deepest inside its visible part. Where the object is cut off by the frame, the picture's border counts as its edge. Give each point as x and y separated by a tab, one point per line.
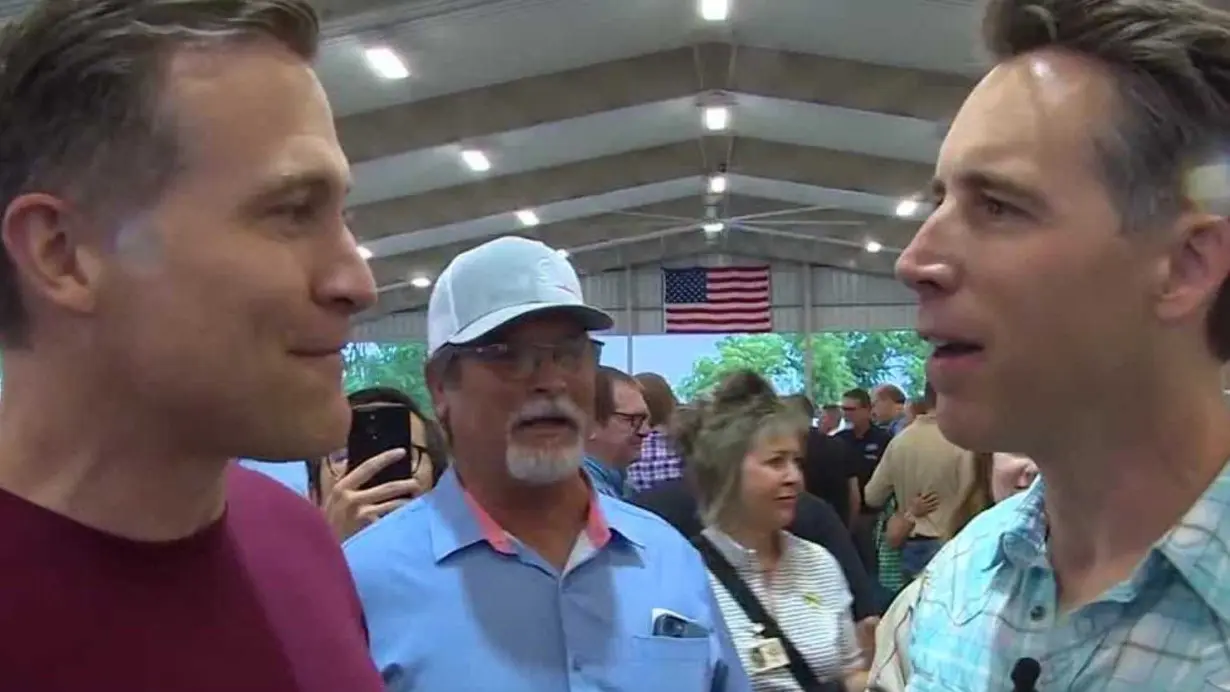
1025	674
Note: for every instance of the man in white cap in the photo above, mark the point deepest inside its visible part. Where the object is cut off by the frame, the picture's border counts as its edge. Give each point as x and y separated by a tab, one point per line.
514	575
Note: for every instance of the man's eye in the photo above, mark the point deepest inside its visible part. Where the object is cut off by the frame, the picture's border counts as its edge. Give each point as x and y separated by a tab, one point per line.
297	212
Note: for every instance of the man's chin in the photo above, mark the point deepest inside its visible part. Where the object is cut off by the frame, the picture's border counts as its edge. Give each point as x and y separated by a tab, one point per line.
544	465
312	437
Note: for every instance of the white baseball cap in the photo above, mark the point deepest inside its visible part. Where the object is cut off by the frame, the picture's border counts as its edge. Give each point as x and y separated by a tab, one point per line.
487	287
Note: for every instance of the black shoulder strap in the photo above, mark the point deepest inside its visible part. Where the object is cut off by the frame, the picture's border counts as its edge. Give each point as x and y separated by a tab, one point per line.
725	573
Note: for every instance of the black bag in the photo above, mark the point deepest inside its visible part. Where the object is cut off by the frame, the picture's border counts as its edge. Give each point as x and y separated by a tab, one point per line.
725	573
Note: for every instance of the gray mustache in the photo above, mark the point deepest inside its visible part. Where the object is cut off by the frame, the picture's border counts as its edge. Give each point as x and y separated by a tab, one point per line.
555	409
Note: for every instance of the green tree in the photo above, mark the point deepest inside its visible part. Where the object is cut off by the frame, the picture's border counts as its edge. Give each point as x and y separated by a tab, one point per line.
831	374
771	355
840	361
397	365
913	351
876	357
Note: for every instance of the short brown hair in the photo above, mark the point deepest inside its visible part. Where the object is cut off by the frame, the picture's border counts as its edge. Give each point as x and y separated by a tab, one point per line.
659	397
1171	63
860	396
81	111
604	391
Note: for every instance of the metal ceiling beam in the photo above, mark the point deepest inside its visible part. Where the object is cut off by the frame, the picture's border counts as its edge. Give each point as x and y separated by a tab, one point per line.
663	250
757	158
623	228
647	79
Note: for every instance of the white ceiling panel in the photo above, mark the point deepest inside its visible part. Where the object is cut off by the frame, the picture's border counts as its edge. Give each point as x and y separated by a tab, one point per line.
843	129
813	196
935	35
632	198
533	148
499	42
581	207
641	127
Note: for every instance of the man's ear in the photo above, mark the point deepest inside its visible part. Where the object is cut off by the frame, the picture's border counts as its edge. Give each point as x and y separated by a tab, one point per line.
49	252
1195	267
434	378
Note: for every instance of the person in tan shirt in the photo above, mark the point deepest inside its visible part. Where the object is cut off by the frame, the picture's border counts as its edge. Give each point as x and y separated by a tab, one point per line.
920	461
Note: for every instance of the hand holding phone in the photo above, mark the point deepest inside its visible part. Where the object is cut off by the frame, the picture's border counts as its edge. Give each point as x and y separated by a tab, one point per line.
353	502
378	428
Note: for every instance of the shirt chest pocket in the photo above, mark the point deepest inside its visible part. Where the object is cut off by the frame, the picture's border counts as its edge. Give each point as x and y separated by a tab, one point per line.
939	630
662	664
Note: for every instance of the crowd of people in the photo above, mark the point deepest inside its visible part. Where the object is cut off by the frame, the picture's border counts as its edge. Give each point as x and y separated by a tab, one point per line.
178	280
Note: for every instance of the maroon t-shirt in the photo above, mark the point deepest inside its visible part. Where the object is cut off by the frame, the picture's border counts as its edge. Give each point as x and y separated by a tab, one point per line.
260	601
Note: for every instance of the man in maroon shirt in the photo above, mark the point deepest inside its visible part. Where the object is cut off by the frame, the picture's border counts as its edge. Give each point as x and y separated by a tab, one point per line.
176	283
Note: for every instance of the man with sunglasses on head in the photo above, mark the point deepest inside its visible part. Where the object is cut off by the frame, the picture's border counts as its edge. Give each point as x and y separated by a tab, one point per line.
514	573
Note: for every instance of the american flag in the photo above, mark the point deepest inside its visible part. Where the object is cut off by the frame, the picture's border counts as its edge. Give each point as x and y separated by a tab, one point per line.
716	300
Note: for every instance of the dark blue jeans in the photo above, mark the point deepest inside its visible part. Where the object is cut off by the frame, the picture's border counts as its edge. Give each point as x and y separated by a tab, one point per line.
915	555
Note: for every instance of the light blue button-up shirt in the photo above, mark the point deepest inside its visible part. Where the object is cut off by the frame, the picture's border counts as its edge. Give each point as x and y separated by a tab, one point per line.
607	480
454	604
989	599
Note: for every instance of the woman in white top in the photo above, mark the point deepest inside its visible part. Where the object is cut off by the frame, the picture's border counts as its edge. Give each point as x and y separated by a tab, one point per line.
741	450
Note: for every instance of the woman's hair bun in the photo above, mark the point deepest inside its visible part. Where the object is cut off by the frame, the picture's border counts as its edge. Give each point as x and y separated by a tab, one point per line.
743	387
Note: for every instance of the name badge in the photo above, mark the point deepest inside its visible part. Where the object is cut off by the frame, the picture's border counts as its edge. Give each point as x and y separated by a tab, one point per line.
766	655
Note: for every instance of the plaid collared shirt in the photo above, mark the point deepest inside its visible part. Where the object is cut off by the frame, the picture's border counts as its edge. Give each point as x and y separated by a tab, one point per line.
658	463
888	558
988	600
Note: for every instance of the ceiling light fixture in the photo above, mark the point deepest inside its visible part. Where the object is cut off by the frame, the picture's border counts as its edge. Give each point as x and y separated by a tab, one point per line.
527	217
713	10
420	282
717	184
717	118
907	208
386	63
713	227
476	160
365	253
873	246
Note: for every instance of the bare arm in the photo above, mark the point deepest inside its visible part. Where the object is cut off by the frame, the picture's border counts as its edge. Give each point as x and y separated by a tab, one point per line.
881	484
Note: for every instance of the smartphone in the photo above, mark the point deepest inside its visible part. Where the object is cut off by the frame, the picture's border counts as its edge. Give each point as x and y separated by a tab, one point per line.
676	626
377	428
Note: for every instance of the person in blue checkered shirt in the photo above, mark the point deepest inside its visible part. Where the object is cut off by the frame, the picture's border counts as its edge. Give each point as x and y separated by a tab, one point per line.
1073	278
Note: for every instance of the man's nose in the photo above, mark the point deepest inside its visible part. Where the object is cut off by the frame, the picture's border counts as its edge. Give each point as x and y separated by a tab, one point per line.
349	283
548	378
925	266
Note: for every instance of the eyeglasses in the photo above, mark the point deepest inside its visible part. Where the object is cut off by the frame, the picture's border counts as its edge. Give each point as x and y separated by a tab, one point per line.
520	361
634	420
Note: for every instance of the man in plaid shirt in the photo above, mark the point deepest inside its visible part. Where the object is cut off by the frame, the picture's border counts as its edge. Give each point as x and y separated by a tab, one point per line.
658	462
1073	279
